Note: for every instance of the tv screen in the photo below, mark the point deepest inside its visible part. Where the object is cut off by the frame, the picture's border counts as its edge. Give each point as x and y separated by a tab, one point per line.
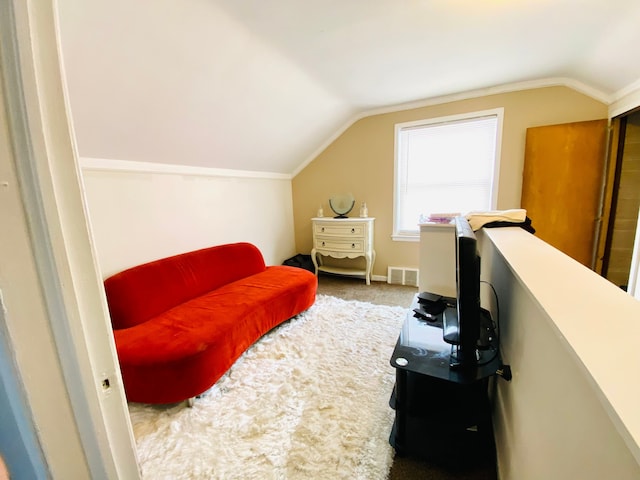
461	326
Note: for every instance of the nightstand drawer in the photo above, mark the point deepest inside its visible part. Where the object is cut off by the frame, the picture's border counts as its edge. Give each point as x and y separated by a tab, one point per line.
348	230
339	245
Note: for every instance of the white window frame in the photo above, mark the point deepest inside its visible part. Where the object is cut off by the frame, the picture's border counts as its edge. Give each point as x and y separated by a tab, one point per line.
414	235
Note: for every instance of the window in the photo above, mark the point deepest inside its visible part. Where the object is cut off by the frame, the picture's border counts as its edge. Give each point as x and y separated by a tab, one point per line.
445	165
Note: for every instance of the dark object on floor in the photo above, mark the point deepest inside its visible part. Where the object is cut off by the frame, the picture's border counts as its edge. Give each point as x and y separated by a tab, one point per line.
301	261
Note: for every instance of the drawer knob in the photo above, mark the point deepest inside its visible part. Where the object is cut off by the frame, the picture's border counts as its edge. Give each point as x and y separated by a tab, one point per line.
323	244
353	245
322	229
353	230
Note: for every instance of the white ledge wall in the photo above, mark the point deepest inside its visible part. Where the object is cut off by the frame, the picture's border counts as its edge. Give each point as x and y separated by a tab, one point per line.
140	212
570	336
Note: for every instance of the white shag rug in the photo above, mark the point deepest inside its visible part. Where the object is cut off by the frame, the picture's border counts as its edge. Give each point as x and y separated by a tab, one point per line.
308	401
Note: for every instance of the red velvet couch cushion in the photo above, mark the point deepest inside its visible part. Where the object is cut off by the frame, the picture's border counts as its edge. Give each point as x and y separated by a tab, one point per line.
142	292
188	318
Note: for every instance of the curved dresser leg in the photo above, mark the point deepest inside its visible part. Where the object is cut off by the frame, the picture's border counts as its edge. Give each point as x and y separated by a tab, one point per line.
369	259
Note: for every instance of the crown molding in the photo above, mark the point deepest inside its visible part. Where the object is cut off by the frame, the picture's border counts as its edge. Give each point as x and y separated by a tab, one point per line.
626	99
614	101
496	90
129	166
482	92
628	90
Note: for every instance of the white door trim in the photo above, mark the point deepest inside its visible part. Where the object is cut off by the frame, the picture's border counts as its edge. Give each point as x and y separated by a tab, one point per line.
45	163
634	273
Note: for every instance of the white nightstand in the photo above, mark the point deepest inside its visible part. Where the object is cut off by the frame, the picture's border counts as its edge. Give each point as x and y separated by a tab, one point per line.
343	238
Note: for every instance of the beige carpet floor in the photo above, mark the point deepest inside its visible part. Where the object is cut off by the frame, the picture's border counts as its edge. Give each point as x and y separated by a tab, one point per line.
404	468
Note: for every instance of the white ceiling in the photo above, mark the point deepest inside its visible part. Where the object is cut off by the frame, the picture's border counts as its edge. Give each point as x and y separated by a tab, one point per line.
262	85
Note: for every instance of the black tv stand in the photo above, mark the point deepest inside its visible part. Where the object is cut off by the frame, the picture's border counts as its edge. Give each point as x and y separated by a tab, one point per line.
442	408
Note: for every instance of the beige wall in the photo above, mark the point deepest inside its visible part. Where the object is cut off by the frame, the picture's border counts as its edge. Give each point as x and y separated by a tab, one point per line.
361	161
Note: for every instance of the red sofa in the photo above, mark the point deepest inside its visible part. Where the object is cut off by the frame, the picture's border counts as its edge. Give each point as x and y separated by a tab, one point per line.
181	322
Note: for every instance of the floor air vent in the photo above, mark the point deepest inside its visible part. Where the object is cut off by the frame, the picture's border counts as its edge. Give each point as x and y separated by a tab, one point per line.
402	276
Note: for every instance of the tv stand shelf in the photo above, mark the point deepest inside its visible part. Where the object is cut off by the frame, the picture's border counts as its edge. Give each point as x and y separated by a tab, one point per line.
441	412
442	421
341	270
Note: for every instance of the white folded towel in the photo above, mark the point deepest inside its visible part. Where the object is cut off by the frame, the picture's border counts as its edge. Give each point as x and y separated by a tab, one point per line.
478	219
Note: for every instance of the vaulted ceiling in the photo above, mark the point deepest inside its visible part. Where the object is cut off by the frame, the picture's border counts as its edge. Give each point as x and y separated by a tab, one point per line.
263	85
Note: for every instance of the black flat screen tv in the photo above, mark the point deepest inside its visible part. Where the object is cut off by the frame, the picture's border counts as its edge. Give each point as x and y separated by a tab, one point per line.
461	326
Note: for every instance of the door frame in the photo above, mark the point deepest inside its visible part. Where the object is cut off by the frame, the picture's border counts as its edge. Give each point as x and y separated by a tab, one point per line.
613	166
43	180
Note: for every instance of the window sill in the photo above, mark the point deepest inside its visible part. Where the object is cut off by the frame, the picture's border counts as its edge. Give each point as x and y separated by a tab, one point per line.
406	237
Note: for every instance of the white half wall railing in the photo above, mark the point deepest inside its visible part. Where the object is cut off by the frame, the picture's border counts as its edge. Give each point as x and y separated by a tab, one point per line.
570	337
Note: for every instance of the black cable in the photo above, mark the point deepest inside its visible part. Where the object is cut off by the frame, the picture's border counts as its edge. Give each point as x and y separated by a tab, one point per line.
505	370
496	328
496	324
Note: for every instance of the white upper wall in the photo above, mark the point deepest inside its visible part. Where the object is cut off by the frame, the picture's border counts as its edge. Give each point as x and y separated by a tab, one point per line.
142	214
263	86
184	83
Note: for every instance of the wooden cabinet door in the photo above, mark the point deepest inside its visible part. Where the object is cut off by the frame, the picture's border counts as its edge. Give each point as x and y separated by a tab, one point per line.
562	183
